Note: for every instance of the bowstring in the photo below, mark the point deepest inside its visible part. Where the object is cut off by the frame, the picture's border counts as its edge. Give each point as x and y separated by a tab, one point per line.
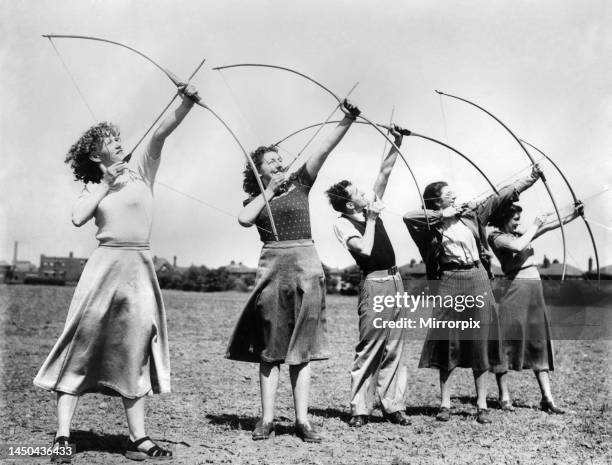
445	127
384	151
255	135
74	82
96	121
163	112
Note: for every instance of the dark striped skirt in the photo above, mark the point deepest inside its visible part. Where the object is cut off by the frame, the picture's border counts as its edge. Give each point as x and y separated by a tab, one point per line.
284	318
447	347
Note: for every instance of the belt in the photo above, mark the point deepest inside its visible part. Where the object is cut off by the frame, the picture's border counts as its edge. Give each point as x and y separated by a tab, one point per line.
382	274
459	266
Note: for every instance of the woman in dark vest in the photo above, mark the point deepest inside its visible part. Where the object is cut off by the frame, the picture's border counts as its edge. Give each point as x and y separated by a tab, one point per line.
524	317
378	365
283	320
452	242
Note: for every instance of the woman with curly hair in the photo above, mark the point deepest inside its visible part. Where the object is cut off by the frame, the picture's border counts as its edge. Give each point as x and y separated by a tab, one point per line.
283	320
114	340
524	317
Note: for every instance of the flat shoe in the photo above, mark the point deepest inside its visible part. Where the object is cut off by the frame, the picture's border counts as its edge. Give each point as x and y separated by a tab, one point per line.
507	406
549	407
397	418
155	452
443	414
307	433
263	431
357	421
483	416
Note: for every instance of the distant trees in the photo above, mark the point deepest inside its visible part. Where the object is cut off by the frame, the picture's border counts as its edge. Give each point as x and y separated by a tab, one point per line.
202	279
331	283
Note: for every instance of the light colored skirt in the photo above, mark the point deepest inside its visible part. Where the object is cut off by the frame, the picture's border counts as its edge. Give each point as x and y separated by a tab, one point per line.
115	338
476	348
284	318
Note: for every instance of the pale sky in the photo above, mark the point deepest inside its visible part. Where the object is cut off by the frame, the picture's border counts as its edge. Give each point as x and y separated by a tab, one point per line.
542	67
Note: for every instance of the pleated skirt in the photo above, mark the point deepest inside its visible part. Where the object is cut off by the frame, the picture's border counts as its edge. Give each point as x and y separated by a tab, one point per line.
527	334
284	318
115	338
477	348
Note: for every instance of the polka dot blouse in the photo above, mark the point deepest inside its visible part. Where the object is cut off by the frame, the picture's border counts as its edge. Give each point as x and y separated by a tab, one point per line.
291	212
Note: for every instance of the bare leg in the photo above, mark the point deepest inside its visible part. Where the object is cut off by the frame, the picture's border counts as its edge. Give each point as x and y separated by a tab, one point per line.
300	383
502	386
445	392
481	388
268	382
134	412
544	382
66	406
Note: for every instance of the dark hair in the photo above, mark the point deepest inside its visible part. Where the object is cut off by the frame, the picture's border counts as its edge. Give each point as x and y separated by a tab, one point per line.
249	183
432	194
501	217
89	144
338	195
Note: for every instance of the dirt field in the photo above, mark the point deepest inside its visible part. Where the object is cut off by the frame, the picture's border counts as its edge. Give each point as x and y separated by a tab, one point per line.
215	403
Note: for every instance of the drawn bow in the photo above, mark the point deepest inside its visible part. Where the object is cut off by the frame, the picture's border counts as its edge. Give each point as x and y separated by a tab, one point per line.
532	162
176	81
405	132
339	100
576	202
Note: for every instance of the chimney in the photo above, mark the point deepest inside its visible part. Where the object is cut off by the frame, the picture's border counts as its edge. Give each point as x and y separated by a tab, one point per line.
15	249
590	264
174	261
70	255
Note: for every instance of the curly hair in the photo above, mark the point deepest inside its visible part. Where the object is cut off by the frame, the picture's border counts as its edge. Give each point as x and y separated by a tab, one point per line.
432	194
249	183
90	142
338	195
501	217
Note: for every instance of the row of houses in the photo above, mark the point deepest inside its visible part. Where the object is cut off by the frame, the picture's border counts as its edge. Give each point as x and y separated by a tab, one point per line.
67	270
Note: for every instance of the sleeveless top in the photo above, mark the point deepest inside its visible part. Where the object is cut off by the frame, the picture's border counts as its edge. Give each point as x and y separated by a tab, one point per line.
382	256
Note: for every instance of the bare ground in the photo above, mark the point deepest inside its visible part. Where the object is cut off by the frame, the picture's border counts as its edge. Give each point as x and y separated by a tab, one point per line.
215	402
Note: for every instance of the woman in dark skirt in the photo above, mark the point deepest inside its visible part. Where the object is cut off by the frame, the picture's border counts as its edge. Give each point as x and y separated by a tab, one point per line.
524	317
455	251
283	320
115	339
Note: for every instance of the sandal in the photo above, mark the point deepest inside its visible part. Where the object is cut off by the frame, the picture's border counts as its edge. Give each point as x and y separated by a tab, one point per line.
132	451
62	451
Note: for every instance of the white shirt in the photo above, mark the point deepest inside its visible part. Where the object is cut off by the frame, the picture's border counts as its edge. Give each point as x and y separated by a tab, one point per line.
458	243
125	214
345	230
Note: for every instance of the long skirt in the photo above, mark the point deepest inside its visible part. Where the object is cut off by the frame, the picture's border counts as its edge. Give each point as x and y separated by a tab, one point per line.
284	318
115	339
527	335
448	346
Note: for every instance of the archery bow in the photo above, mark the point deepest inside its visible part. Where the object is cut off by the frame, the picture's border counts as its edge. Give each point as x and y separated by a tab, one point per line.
361	116
176	81
406	132
576	202
532	161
